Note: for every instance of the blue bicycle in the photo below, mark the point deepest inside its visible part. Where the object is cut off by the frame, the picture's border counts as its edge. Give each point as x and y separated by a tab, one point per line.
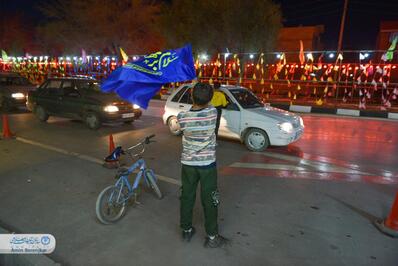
112	201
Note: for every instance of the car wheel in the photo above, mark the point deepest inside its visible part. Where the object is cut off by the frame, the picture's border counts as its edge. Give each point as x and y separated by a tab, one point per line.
174	127
93	121
41	114
256	139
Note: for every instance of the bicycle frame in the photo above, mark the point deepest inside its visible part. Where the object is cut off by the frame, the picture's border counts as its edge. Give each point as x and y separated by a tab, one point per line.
124	181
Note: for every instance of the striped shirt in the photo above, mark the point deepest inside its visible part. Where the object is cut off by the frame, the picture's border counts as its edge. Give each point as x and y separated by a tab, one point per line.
199	139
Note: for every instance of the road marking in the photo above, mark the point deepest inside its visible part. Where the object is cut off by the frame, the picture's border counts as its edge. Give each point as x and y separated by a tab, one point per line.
269	166
288	167
87	157
318	166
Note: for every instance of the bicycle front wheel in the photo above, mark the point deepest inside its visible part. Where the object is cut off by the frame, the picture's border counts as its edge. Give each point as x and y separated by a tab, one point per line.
110	206
152	183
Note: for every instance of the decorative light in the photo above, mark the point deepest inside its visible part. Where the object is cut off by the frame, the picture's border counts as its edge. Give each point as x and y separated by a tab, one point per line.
75	58
97	58
68	58
366	55
278	56
331	55
113	58
203	56
226	55
135	58
251	56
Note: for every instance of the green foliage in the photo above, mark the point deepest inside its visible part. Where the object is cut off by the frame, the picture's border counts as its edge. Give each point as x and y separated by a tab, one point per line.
209	25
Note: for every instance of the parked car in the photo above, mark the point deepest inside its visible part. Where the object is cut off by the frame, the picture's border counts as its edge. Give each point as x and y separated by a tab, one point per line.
245	118
13	90
80	98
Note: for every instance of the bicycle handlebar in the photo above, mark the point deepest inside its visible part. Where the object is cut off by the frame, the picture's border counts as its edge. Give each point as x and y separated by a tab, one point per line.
145	141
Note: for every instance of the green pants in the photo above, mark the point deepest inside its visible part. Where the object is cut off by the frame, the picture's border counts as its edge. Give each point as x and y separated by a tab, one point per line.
190	176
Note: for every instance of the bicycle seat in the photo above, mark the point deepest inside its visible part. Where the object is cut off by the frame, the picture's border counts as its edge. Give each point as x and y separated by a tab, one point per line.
114	156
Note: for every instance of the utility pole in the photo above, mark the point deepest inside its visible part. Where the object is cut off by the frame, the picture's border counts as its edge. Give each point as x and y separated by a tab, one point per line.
342	26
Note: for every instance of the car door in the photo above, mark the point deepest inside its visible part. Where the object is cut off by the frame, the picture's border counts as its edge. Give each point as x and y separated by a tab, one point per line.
173	105
71	100
185	102
230	118
50	98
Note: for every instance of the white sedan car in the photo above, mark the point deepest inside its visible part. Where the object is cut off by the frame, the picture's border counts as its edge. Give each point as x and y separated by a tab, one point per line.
245	118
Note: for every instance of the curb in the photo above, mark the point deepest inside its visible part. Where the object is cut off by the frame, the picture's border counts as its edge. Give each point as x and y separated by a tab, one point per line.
328	110
335	111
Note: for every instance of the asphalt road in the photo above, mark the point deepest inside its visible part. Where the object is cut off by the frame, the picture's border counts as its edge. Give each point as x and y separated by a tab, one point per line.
310	203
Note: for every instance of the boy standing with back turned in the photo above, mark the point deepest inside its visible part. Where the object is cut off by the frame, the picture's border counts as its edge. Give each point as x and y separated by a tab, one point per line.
199	165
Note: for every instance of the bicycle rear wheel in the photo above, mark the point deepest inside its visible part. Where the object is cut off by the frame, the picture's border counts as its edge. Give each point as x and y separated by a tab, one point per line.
110	205
152	183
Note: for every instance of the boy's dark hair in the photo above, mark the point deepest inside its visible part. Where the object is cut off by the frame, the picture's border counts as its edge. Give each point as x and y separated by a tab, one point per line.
202	93
217	85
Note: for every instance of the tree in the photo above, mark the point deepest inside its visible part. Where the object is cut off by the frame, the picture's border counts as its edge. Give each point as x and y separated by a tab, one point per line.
239	25
15	34
101	26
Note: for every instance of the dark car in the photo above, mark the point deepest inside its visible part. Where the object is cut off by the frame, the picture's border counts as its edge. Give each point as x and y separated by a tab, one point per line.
13	90
80	98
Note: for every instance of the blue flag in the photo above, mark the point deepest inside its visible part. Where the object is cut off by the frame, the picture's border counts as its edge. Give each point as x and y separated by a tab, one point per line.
138	81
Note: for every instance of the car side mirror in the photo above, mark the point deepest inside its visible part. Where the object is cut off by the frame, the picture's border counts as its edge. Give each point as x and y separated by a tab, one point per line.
232	107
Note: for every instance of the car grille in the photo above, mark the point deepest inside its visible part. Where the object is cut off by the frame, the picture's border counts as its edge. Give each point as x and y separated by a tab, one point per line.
125	107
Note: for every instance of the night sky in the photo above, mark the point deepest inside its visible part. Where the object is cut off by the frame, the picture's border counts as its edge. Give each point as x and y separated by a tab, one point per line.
362	22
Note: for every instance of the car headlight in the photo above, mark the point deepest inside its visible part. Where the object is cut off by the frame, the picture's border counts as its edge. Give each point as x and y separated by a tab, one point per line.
111	109
286	127
136	106
18	95
301	122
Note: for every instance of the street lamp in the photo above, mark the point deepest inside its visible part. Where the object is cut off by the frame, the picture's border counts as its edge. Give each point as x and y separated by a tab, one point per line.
203	56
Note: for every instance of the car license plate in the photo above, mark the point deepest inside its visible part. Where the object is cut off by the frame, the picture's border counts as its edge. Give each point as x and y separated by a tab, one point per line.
128	115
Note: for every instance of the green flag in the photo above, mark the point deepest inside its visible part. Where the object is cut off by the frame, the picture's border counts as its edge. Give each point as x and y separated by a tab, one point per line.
388	56
4	55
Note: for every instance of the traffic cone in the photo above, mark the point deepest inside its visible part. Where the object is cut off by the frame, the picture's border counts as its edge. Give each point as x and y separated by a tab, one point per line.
6	128
111	144
389	226
114	163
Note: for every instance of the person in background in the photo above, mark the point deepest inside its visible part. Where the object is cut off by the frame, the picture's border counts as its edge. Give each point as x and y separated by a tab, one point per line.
218	101
198	161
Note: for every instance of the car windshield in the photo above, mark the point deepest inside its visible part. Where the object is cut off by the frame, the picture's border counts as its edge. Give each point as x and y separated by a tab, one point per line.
246	98
88	86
